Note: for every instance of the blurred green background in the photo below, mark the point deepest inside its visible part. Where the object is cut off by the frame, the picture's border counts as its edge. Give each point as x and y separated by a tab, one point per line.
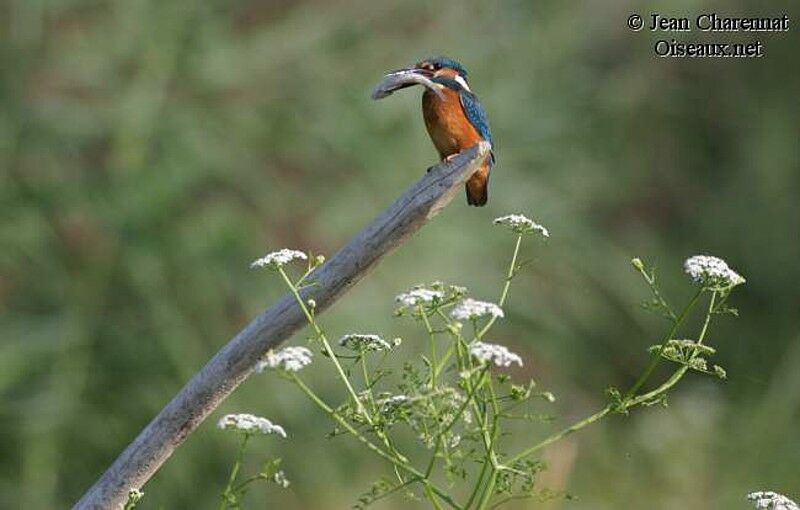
152	149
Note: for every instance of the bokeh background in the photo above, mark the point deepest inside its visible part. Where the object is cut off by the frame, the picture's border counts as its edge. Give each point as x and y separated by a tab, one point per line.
152	149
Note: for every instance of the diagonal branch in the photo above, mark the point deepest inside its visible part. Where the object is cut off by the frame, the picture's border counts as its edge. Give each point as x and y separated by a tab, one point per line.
234	362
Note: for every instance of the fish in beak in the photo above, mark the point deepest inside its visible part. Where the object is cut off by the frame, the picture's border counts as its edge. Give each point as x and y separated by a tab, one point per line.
403	78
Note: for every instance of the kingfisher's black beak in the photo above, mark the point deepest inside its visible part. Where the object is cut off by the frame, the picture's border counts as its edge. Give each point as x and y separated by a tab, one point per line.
402	78
427	73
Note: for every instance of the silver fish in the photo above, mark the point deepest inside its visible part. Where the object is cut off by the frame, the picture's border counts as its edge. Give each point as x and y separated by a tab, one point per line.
397	80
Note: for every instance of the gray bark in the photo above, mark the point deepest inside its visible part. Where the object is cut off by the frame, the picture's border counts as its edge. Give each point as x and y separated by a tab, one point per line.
234	362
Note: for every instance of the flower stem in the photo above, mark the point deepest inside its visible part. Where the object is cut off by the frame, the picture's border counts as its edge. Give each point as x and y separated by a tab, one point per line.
678	374
432	340
442	435
656	357
478	485
631	401
432	497
228	493
420	477
450	350
324	339
488	490
560	435
504	295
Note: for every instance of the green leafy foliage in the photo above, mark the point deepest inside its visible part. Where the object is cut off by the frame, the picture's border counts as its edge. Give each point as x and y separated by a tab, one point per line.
457	401
148	150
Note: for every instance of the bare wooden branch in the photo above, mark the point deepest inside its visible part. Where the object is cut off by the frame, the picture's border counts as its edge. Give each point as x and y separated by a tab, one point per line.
234	362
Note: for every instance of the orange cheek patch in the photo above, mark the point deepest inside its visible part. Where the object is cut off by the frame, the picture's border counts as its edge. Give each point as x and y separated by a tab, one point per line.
447	73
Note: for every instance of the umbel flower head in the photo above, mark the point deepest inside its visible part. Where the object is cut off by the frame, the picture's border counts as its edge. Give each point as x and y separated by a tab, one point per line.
390	404
772	501
362	342
419	295
135	495
250	424
433	295
288	358
497	354
472	309
521	224
712	272
280	479
278	259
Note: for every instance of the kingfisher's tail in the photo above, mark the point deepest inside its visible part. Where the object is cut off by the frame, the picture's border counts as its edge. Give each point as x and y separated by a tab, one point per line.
477	187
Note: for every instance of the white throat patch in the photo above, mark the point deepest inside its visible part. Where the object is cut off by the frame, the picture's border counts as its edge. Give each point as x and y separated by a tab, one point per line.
461	81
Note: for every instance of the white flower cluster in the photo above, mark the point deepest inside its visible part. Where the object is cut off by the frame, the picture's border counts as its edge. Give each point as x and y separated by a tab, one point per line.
454	440
362	342
280	479
452	290
250	424
278	259
288	358
497	354
711	271
419	295
521	224
471	309
135	495
390	404
771	501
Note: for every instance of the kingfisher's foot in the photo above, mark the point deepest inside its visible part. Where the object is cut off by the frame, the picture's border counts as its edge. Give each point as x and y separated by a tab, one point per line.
447	159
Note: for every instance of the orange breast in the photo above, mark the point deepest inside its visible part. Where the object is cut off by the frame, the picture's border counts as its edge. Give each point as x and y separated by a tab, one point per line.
447	125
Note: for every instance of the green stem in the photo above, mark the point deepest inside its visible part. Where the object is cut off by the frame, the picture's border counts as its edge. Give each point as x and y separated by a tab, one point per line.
432	460
247	482
328	349
420	477
560	435
488	491
656	357
432	497
651	282
447	429
365	374
511	498
506	286
495	406
228	492
478	485
373	406
632	402
678	374
490	461
450	350
432	340
708	319
321	335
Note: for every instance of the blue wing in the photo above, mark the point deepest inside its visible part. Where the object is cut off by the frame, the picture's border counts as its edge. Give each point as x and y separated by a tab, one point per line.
476	116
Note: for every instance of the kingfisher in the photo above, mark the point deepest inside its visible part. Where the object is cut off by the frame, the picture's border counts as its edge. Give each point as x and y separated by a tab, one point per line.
453	116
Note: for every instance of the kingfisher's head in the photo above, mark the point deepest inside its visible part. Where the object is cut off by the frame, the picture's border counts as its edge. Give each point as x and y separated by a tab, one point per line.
443	67
422	73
